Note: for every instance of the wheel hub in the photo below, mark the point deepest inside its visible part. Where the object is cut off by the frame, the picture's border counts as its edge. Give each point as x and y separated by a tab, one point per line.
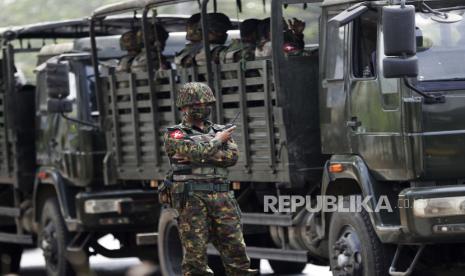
347	254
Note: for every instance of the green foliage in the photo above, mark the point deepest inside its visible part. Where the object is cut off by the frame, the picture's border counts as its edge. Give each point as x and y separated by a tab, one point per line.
20	12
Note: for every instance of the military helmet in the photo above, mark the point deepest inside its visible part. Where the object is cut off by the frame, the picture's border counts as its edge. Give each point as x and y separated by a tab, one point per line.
249	28
129	41
193	28
218	25
194	93
161	33
218	22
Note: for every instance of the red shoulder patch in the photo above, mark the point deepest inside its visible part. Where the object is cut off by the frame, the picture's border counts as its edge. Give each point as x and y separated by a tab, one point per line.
177	134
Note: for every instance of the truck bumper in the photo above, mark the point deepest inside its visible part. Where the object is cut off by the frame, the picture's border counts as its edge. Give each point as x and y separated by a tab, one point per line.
130	209
433	214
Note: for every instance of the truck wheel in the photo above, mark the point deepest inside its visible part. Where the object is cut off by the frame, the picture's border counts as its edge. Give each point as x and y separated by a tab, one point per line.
285	268
53	239
10	257
169	244
354	247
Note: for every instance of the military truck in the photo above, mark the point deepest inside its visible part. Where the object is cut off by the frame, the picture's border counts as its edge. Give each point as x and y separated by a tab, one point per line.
373	111
51	167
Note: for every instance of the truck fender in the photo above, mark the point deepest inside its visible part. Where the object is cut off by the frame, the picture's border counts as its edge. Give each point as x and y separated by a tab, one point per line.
355	169
49	182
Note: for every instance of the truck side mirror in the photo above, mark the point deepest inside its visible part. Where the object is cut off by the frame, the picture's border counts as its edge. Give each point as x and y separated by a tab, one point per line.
399	42
59	106
57	80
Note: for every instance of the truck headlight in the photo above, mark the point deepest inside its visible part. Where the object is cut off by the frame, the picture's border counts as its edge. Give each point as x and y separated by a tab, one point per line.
99	206
439	207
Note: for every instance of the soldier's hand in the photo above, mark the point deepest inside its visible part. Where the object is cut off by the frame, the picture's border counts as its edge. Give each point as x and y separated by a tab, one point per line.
296	25
225	135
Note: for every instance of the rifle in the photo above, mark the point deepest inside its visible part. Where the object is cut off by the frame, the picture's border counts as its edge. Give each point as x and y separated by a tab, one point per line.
231	124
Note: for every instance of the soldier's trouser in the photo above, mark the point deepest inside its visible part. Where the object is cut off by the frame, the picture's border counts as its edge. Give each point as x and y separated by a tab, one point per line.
212	217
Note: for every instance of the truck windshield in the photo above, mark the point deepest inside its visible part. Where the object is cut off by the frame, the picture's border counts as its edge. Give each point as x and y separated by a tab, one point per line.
440	48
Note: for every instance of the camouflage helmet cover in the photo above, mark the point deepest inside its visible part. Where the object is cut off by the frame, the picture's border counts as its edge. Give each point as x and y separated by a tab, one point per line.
130	42
194	93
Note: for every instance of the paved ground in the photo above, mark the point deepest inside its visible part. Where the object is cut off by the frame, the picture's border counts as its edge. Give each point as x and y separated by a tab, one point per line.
32	264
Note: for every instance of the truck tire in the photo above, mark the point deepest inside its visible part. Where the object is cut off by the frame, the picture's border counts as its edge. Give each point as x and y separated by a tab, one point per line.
10	257
354	247
53	239
286	268
169	245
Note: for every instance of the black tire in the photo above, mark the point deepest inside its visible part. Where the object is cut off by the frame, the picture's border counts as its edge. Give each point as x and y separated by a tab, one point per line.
169	244
53	239
353	234
10	258
286	268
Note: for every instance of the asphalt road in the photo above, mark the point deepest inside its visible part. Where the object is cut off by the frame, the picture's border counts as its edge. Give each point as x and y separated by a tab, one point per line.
32	264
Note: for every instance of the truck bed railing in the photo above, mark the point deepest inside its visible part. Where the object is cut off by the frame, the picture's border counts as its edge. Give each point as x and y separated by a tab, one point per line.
138	118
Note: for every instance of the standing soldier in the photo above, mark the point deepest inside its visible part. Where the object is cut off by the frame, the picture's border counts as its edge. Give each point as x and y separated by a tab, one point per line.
199	152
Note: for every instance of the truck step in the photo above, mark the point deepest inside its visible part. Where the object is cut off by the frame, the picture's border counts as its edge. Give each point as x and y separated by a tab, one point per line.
266	219
10	212
300	256
146	238
16	238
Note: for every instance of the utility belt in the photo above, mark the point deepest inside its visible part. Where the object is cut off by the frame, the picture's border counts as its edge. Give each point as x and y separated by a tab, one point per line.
192	186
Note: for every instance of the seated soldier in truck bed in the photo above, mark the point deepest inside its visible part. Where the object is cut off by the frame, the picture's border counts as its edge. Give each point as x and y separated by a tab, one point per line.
157	46
243	48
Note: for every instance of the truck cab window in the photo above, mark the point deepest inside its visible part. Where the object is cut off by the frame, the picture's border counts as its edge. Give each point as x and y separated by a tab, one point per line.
73	95
90	86
335	54
364	39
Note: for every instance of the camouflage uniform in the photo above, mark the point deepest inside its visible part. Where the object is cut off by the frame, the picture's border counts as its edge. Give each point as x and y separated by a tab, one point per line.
194	53
139	64
208	211
237	51
186	57
243	48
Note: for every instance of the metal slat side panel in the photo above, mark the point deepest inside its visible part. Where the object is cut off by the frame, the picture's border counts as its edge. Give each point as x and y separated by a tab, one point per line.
114	111
268	115
140	115
135	118
155	127
244	117
173	95
218	94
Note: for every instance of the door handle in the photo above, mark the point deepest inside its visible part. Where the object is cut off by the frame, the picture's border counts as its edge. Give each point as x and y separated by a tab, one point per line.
353	123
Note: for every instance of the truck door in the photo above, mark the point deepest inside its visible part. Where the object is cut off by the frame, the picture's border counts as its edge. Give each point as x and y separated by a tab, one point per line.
374	119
